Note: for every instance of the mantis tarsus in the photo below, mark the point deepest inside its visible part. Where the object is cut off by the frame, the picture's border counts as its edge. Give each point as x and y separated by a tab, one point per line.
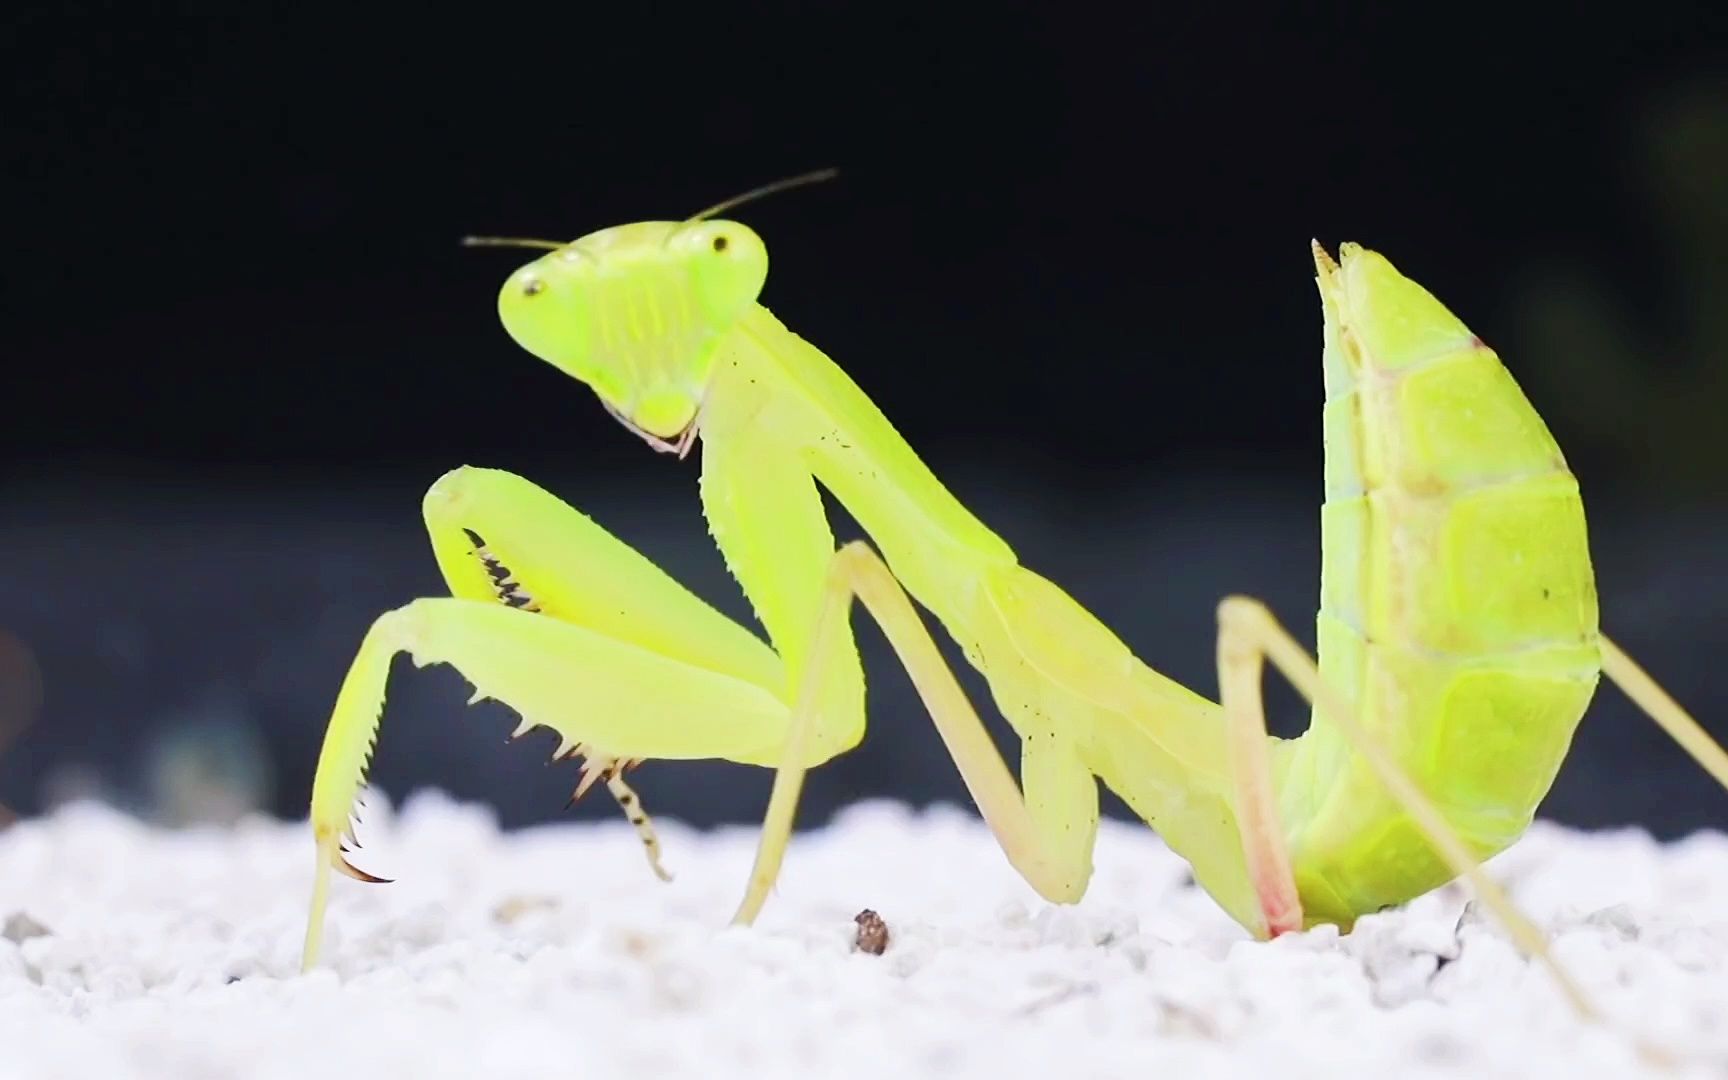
1458	638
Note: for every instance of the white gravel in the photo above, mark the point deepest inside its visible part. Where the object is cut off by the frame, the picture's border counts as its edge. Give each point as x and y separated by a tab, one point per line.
144	952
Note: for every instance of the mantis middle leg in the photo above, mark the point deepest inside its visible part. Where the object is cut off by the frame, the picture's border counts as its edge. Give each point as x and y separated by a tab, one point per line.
1046	832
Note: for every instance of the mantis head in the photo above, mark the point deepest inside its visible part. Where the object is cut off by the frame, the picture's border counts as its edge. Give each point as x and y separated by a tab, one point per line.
639	312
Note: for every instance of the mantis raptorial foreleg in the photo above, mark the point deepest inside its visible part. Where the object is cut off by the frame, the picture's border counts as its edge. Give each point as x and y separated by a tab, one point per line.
600	645
1045	834
498	536
604	697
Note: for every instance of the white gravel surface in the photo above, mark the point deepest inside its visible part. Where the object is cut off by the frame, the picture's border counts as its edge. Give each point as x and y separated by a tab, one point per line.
132	951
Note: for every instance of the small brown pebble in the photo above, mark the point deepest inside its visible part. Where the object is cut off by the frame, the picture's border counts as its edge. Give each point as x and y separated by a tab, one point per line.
872	933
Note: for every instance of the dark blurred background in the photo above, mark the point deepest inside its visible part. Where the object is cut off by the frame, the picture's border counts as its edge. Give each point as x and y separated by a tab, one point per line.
1067	255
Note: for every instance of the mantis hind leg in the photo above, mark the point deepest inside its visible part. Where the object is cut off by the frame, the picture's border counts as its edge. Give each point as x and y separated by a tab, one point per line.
1248	633
1665	711
1044	832
1241	667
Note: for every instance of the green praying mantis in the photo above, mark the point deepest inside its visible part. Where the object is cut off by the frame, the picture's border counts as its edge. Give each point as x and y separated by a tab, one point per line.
1458	638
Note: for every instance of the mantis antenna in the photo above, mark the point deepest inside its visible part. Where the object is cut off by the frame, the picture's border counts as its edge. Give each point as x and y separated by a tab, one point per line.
801	180
510	241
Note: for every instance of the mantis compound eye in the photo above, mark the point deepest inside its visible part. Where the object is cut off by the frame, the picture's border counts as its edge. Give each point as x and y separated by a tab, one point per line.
532	286
720	243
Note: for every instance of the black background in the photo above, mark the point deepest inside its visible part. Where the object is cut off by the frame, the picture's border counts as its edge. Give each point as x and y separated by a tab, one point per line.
1067	255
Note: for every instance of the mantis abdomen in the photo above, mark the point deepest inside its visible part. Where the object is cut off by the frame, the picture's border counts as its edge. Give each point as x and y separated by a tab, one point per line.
1458	606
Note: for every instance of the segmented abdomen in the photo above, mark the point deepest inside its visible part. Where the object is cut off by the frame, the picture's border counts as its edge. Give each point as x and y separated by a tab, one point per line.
1458	610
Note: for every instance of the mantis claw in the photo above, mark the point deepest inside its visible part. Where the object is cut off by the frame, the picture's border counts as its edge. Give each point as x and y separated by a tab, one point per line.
357	874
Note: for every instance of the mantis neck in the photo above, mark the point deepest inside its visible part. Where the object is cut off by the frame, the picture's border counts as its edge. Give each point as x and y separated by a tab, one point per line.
778	417
843	440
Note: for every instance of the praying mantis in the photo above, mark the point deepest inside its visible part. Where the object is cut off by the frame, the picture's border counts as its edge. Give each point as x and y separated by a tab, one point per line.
1458	635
